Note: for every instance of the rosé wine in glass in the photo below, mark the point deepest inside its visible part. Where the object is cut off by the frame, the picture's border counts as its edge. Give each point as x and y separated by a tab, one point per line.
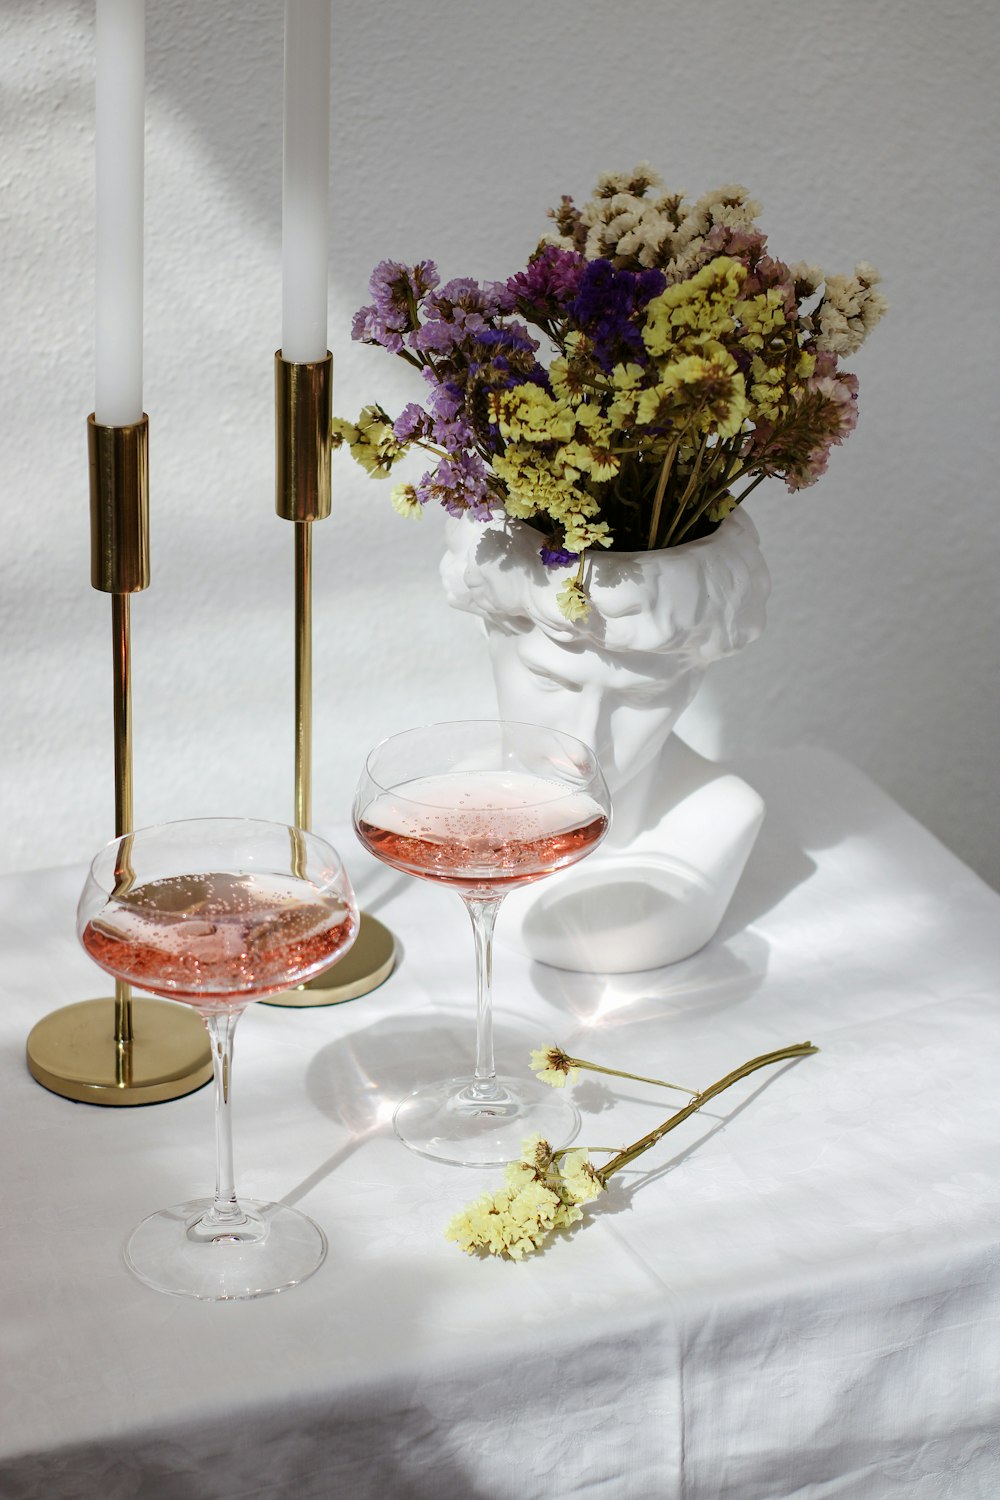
482	830
217	912
485	807
215	939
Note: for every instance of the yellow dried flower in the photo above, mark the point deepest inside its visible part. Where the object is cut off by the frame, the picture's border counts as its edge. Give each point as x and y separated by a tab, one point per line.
570	378
579	1177
529	414
581	533
596	427
572	601
537	1200
552	1065
721	508
536	1153
628	381
374	445
704	391
767	390
533	485
342	432
511	1222
701	307
627	377
760	317
404	500
584	458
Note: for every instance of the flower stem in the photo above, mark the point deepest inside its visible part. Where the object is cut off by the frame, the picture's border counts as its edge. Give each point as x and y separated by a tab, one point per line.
785	1054
688	491
578	1062
661	487
697	514
566	1150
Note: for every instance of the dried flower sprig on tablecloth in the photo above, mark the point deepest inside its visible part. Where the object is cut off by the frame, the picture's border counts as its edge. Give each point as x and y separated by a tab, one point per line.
554	1066
686	365
545	1189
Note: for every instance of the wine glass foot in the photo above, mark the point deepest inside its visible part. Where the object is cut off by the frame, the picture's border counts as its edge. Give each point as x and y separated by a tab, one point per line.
473	1124
271	1249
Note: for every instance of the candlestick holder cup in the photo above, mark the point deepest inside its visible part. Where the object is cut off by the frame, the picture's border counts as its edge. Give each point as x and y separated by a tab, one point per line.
124	1049
303	405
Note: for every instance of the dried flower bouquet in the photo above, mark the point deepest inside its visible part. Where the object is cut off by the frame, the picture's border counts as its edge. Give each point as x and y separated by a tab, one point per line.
686	366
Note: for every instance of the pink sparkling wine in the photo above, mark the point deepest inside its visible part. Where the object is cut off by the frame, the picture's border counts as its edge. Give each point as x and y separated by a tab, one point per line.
219	938
482	829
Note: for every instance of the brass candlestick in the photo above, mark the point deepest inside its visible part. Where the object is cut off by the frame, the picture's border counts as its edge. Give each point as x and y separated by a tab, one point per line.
122	1050
303	396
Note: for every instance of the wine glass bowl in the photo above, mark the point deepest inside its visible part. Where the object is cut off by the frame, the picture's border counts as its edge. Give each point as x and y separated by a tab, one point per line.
217	913
484	807
215	937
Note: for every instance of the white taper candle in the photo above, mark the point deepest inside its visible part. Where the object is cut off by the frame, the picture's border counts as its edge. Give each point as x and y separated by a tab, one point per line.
306	181
121	47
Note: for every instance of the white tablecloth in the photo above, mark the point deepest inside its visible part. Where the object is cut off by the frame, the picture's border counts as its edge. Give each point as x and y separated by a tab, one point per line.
795	1294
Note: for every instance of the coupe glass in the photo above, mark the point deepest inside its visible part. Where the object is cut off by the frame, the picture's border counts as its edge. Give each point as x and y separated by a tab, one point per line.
215	913
482	806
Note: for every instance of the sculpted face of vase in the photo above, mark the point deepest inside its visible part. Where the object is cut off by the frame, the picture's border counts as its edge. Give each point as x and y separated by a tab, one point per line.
620	679
623	704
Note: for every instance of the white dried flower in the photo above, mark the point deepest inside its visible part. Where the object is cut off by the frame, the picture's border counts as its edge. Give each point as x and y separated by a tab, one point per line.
849	310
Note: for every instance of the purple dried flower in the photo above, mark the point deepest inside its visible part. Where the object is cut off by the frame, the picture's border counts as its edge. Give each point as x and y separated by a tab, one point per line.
607	308
512	337
469	302
446	398
557	557
370	326
500	296
412	422
398	291
455	434
447	403
436	337
459	484
393	285
551	280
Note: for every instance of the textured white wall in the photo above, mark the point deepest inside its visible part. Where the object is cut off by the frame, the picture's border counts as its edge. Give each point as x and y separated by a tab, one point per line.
868	130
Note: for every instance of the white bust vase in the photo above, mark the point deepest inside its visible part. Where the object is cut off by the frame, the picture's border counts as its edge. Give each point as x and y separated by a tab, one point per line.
682	828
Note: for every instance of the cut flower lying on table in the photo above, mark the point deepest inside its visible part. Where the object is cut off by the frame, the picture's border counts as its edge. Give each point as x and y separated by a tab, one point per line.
545	1189
687	364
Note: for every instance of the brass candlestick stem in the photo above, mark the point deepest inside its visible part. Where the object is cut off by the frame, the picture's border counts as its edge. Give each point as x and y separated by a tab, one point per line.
303	674
121	1050
303	397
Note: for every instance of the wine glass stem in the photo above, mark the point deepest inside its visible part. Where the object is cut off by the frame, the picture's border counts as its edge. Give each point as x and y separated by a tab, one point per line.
483	913
221	1028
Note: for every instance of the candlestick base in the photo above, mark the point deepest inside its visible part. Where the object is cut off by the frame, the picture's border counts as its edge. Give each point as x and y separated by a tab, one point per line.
73	1052
367	964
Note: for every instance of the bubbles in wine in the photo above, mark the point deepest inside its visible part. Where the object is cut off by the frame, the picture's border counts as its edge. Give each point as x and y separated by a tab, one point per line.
227	936
486	828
